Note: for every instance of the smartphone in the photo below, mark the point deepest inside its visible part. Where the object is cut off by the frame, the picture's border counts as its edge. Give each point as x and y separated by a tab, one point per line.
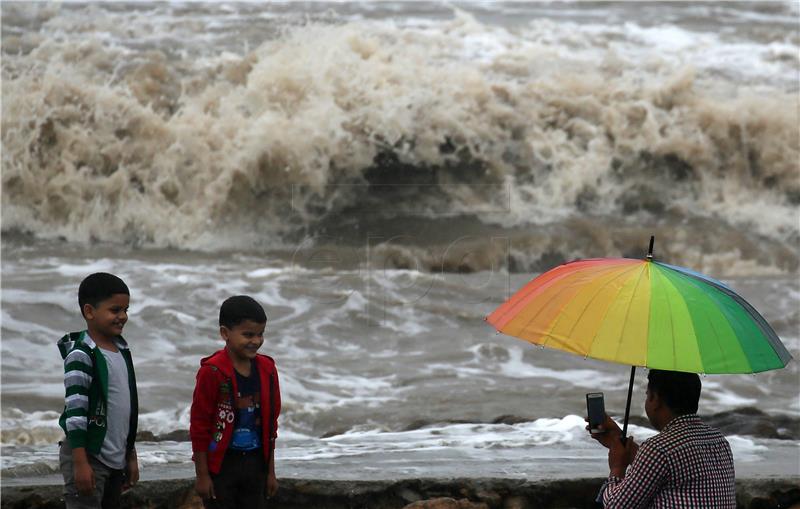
596	409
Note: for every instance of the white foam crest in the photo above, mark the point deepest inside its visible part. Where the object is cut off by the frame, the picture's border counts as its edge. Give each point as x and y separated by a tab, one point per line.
746	449
355	303
398	291
81	270
267	272
44	389
356	385
406	323
154	454
723	397
29	428
568	431
182	317
298	395
272	295
25	328
516	367
165	420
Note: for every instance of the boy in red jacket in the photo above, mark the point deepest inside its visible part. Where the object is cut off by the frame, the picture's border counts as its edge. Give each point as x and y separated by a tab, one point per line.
234	417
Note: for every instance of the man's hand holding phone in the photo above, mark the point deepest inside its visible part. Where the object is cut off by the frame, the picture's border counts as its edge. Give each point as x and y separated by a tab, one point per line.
619	455
607	433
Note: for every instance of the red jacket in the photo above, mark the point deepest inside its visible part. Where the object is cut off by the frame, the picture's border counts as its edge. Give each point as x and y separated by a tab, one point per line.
212	414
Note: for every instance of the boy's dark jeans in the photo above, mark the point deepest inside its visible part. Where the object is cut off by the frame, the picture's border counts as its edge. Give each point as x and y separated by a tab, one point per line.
241	482
108	483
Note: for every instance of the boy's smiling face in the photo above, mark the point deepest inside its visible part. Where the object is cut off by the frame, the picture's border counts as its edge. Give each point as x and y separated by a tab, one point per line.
108	318
244	340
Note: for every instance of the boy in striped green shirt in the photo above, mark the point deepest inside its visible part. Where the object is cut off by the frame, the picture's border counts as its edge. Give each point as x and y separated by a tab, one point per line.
98	458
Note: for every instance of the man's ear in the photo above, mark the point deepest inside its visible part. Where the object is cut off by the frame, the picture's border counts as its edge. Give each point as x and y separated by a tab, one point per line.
655	400
88	311
223	332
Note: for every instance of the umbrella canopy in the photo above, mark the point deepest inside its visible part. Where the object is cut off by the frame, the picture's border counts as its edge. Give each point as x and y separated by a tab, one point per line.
642	313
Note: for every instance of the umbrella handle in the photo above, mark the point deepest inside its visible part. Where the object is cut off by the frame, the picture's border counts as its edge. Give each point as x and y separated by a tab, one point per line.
628	405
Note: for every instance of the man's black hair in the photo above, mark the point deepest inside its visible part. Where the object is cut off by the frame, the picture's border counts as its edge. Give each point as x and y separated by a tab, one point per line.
97	287
238	309
680	391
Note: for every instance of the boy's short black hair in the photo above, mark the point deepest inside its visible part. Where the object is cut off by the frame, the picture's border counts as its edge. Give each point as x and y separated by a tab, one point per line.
97	287
680	391
238	309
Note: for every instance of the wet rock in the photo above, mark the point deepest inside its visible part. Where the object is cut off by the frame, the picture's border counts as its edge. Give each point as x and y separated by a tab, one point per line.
335	432
446	503
516	503
409	495
511	419
145	436
752	421
178	435
490	497
767	494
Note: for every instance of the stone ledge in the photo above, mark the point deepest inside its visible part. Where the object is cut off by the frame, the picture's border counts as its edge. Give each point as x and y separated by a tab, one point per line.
422	493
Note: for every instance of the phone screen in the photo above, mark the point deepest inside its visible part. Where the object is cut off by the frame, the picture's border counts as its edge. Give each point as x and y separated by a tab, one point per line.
595	407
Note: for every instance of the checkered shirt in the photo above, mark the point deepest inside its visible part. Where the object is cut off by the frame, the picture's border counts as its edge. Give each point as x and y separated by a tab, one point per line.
687	465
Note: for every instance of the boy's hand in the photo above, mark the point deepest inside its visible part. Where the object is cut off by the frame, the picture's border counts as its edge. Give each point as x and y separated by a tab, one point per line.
272	484
84	478
204	487
131	472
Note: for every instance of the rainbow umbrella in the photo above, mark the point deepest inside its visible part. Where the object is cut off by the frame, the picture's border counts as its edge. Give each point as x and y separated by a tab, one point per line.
642	313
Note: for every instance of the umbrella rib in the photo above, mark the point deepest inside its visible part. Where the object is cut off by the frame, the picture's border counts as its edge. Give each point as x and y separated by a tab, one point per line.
529	289
627	312
696	283
769	333
588	304
549	336
672	330
539	312
725	359
594	338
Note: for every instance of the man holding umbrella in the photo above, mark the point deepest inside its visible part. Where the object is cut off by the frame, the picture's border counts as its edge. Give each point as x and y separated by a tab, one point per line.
672	320
688	464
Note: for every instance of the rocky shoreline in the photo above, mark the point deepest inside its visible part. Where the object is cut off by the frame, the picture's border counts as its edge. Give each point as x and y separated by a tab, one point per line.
409	493
746	421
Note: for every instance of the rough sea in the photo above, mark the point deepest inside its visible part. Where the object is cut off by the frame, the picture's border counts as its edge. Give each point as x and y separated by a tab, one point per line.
381	176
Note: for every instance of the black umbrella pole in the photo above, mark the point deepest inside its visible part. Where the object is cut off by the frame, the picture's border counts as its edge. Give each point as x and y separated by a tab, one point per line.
628	405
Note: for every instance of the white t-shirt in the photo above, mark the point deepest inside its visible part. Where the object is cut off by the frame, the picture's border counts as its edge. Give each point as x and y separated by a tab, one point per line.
118	413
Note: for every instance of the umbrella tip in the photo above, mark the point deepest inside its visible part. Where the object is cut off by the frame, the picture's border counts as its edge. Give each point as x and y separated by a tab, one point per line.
650	249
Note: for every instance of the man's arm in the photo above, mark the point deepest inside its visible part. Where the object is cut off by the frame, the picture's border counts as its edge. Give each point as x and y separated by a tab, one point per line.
645	477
